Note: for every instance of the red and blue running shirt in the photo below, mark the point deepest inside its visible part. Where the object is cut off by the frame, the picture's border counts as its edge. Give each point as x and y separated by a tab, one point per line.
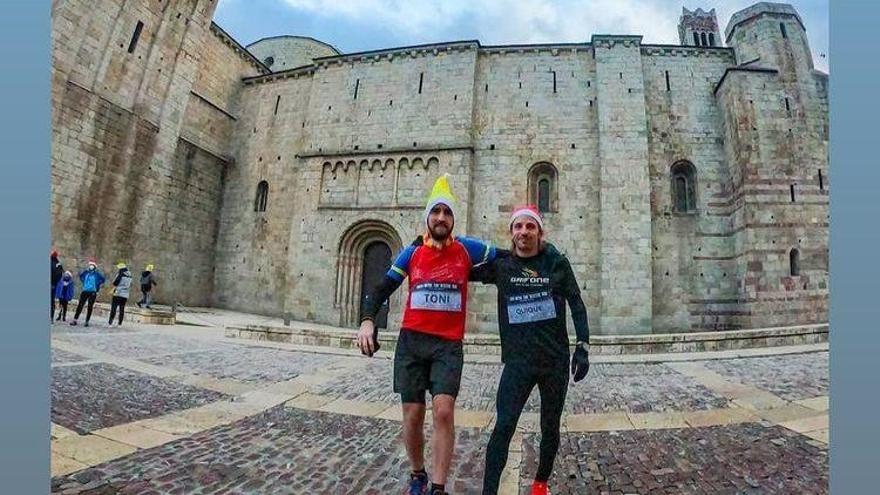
437	301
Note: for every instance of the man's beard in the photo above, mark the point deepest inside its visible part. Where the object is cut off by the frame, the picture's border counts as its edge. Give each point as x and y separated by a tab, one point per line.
437	236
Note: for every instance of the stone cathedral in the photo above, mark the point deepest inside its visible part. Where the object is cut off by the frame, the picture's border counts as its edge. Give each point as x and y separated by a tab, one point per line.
687	184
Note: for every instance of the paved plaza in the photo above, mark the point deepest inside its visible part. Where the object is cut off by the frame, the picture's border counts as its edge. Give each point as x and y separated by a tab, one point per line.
181	409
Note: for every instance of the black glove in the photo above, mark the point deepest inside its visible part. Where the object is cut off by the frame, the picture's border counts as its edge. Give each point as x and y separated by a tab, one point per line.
580	363
418	241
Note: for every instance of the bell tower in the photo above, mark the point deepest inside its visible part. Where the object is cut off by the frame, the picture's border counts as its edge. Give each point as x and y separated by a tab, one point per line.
698	28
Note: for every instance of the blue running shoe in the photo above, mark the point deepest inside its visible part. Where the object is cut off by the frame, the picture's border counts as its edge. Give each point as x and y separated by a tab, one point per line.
418	484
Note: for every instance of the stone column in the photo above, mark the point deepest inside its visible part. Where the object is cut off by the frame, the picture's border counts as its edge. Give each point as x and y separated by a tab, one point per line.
625	218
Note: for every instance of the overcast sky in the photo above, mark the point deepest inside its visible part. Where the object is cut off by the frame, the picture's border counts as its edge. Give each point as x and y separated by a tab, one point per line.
359	25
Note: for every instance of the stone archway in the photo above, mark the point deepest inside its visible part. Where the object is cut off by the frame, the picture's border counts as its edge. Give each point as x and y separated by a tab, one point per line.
350	265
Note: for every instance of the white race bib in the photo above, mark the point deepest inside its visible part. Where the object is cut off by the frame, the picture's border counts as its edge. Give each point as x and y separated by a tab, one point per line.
436	296
526	308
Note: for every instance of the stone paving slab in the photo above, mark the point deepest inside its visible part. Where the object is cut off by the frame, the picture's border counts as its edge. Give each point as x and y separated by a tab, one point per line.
792	377
716	417
742	459
281	451
61	465
816	403
90	449
94	396
61	357
136	435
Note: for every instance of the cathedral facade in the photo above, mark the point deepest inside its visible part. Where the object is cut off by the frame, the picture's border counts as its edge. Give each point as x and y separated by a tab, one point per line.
687	184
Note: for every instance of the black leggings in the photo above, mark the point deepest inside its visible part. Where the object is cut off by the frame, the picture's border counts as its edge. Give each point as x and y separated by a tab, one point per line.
62	310
52	303
517	382
117	302
85	296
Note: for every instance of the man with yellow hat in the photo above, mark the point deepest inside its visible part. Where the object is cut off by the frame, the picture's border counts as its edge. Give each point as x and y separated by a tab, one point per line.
148	281
429	354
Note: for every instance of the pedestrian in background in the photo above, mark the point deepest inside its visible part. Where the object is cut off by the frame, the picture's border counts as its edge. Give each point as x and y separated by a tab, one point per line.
56	271
92	279
148	281
121	291
64	293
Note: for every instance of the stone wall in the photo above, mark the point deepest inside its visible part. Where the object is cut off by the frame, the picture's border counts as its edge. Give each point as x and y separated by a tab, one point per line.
128	182
161	152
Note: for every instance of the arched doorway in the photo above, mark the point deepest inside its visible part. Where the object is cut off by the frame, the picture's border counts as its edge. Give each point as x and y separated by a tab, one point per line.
364	256
377	261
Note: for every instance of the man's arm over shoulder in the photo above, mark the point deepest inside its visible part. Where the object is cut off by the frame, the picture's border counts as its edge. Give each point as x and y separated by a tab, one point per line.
479	251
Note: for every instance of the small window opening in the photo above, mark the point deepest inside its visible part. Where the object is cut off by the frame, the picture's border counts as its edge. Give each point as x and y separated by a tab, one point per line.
277	101
135	36
794	263
421	80
791	187
782	29
262	196
696	39
667	81
357	86
703	39
821	182
711	39
554	81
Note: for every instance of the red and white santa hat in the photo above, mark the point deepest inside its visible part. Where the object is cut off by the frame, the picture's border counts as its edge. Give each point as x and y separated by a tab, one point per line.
528	211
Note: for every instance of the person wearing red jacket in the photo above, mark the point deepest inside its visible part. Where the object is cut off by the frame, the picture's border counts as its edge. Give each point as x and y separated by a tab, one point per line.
429	354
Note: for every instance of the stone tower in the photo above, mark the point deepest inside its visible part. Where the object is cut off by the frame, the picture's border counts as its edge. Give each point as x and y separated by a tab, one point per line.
698	28
775	117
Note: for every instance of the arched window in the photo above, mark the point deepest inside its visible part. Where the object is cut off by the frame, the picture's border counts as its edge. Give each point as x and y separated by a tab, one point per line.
542	187
684	187
794	263
269	61
696	38
703	39
711	39
262	196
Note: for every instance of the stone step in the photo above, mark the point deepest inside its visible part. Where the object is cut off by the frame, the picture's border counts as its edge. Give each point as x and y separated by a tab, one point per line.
490	344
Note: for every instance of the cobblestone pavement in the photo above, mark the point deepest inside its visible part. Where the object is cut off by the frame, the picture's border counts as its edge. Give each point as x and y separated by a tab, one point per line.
283	451
294	421
254	364
800	376
740	459
94	396
141	344
609	387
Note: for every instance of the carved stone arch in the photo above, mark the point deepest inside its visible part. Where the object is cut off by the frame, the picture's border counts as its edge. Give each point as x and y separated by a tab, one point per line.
543	187
418	162
350	265
432	162
389	163
376	163
365	164
404	162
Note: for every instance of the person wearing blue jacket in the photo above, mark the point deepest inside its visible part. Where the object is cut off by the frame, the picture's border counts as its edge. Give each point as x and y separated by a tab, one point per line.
64	293
92	280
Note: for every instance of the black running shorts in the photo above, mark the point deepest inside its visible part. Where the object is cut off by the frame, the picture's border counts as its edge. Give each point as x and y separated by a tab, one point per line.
426	362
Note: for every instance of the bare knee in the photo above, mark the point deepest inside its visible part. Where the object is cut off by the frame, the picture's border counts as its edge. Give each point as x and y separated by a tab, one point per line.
443	410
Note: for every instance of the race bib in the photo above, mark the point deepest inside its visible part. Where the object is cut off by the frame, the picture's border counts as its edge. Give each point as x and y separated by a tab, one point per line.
436	296
526	308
